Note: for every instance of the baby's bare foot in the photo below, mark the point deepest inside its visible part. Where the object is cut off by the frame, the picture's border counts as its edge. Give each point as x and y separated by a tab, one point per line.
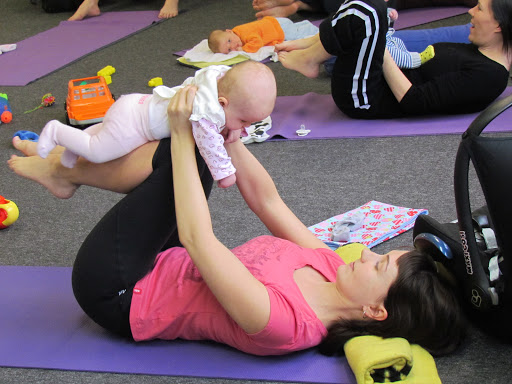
296	61
44	172
88	8
170	9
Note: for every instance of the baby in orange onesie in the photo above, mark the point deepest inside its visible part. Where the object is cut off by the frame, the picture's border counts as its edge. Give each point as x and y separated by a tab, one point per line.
252	36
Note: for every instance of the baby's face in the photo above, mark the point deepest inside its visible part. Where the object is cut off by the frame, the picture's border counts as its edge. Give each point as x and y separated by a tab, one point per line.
228	42
241	114
240	118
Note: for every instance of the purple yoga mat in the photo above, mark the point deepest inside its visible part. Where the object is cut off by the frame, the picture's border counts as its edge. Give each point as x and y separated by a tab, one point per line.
319	114
48	51
42	326
417	16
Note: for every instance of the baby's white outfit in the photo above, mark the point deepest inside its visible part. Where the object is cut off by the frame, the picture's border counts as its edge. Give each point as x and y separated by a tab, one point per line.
135	119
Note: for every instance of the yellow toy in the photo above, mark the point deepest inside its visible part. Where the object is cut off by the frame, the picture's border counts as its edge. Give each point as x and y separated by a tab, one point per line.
107	72
9	212
155	82
350	252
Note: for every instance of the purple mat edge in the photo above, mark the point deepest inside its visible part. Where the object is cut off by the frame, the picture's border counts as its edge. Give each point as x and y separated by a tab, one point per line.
48	330
418	16
74	52
285	123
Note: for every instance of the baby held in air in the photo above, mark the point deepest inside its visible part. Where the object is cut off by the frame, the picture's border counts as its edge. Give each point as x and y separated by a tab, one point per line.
227	101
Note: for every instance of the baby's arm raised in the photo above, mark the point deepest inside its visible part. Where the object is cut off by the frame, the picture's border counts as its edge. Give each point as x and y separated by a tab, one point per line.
211	146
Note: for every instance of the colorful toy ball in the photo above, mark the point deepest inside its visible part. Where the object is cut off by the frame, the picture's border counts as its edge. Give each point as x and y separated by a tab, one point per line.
9	212
5	109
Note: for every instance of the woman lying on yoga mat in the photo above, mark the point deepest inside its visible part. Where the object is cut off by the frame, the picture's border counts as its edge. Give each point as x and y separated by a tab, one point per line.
366	83
152	268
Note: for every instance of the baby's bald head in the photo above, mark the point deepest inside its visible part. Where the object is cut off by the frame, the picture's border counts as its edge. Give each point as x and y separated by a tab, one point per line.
251	89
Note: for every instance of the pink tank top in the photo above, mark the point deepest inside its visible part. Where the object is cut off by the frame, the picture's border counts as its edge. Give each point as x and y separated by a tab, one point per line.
173	301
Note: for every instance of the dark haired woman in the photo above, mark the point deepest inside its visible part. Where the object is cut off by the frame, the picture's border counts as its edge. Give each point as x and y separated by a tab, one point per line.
366	82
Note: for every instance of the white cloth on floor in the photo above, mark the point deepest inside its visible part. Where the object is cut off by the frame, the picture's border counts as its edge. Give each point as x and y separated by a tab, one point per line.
7	48
201	52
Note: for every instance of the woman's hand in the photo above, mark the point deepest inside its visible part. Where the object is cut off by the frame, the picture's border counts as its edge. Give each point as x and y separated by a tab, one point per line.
179	110
292	45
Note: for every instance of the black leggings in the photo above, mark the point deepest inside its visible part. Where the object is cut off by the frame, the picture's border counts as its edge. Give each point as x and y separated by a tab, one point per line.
356	34
122	247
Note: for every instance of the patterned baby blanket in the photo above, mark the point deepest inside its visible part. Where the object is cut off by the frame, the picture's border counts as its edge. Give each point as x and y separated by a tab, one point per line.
382	222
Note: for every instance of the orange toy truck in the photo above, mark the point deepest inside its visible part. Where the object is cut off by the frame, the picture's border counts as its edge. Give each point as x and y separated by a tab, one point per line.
88	100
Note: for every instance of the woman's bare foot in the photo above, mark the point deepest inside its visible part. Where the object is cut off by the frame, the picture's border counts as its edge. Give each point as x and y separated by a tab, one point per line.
29	148
88	8
261	5
170	9
297	61
44	172
279	11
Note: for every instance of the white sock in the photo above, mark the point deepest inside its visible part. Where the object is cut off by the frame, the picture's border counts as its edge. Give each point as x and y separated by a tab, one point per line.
47	139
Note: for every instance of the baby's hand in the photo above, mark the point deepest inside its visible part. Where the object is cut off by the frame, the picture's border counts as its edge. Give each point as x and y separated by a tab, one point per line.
227	181
231	135
393	14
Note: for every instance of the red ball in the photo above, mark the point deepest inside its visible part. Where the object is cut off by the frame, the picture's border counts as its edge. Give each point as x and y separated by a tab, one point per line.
6	117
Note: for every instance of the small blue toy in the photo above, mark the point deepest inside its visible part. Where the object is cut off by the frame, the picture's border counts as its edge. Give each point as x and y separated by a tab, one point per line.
27	135
5	109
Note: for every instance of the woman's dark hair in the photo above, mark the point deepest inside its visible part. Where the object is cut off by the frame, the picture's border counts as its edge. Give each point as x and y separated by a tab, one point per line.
502	10
422	308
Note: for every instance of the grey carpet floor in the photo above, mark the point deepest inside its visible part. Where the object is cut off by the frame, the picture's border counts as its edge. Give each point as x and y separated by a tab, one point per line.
317	178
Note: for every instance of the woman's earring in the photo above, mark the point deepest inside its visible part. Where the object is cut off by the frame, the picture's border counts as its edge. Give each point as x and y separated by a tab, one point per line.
364	314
